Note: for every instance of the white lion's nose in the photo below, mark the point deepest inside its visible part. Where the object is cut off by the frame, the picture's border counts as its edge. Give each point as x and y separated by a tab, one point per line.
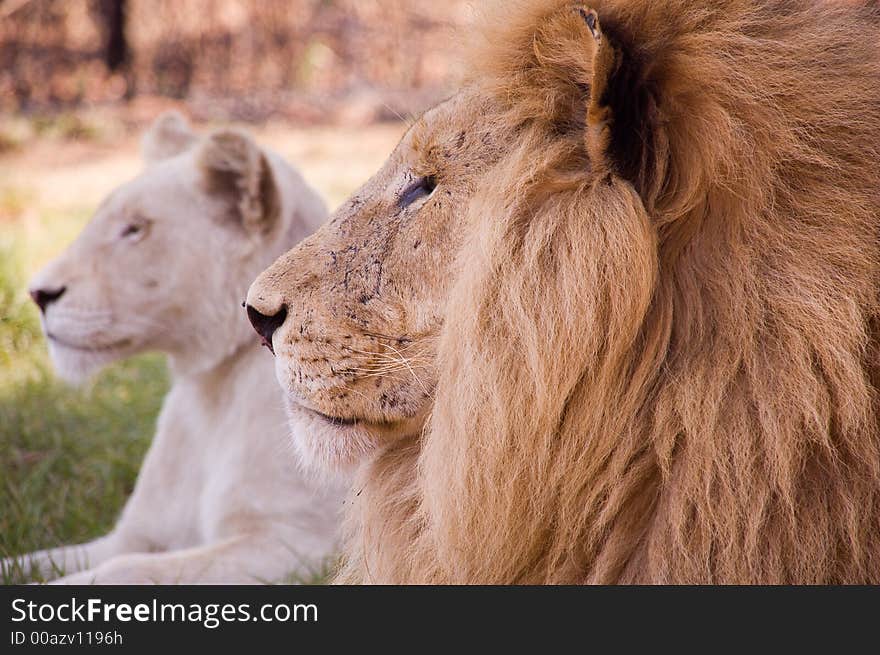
45	297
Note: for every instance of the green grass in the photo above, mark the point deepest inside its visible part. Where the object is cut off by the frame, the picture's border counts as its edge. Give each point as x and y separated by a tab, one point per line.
68	456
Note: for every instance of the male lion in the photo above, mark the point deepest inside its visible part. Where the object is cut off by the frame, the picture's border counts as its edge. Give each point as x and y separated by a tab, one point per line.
610	313
164	265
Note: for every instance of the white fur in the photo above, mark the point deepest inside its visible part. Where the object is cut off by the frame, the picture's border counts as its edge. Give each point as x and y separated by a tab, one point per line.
219	498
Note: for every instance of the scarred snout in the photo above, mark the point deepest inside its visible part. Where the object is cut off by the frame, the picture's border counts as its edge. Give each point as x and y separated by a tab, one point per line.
276	296
302	318
348	383
328	313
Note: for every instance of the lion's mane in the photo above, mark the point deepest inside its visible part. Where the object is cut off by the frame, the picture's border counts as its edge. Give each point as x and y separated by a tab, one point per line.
666	372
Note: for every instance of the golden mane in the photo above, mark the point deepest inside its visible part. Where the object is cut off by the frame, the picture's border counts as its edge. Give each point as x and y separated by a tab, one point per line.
659	362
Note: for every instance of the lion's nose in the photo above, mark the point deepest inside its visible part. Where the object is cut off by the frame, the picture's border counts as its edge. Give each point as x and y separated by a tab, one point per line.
45	297
266	325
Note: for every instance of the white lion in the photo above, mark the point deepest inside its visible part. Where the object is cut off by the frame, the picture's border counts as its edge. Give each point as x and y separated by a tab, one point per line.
164	265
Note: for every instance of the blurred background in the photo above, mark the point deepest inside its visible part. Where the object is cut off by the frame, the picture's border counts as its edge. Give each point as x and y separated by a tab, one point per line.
315	61
329	84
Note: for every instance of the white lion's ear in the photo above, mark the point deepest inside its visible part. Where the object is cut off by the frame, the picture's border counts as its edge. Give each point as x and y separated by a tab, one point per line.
169	135
234	166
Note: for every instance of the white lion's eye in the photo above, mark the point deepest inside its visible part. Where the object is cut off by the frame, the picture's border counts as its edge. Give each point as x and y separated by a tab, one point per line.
134	231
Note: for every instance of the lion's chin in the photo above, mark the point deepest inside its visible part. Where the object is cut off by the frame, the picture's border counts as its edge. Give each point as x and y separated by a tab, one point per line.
328	447
76	365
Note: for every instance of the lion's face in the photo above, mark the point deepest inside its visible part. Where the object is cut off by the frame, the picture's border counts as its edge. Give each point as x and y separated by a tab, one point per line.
362	299
166	259
125	279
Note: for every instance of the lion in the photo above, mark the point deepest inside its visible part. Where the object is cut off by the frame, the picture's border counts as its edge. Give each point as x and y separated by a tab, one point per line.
608	314
163	266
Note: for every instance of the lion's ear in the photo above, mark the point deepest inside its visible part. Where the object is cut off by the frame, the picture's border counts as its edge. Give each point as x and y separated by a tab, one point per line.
169	135
622	122
234	166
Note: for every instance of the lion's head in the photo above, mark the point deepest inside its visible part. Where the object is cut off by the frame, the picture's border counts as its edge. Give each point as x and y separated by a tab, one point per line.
358	308
608	313
166	259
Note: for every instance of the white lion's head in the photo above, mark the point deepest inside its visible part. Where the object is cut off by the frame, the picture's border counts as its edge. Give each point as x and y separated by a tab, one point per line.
166	260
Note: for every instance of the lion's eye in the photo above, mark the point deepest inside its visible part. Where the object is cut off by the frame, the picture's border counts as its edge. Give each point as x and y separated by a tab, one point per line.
421	188
134	231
